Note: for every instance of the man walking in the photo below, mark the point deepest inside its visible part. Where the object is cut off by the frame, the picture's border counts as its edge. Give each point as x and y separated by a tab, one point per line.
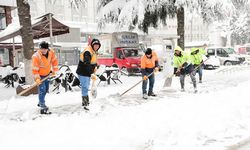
44	61
86	69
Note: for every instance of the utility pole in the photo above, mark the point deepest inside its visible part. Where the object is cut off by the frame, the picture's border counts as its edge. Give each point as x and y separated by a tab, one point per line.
50	30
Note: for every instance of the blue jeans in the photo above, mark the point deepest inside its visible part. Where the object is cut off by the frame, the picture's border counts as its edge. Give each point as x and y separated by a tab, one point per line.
151	84
42	90
84	81
199	70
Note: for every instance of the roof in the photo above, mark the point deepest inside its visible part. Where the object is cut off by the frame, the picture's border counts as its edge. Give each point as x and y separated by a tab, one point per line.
10	3
40	28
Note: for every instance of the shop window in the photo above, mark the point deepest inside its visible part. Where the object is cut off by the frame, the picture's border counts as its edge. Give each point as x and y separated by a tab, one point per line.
2	19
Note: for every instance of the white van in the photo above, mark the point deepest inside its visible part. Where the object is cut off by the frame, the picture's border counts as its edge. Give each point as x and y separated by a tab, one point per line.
225	55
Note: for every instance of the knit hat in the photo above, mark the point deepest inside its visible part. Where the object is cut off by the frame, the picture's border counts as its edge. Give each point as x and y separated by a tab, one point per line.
148	51
44	45
95	41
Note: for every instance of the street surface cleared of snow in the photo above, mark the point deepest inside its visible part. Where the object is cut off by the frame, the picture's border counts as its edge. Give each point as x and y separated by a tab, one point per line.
215	118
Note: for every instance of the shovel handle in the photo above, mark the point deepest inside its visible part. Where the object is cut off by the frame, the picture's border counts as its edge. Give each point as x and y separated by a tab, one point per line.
31	87
135	84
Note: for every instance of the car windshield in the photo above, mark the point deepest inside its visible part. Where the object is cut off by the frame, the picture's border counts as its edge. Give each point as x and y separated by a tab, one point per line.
132	53
230	50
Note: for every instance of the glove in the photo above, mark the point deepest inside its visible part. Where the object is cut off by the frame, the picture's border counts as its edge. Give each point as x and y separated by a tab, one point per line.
55	74
156	69
145	77
38	81
184	64
93	77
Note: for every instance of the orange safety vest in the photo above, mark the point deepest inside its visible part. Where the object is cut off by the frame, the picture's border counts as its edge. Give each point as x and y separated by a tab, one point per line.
41	66
92	53
149	63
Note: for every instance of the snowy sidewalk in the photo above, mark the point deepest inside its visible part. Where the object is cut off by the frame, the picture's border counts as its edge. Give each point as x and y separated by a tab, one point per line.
213	119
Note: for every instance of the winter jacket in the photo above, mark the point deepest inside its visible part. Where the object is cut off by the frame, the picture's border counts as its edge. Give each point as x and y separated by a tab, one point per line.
196	55
148	64
202	51
178	61
41	64
182	62
87	62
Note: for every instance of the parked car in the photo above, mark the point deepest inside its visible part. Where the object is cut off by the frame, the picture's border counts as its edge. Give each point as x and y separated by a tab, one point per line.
226	55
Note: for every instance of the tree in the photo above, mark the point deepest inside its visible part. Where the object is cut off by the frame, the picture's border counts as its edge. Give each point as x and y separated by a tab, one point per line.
23	8
240	22
143	14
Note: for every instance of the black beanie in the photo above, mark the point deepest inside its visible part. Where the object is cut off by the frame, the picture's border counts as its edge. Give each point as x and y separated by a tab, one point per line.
95	41
148	51
44	45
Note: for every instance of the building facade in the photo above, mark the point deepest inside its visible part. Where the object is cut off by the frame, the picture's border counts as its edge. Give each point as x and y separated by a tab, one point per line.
5	19
80	17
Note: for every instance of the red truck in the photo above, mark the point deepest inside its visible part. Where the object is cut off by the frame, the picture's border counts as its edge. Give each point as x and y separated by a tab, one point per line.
121	49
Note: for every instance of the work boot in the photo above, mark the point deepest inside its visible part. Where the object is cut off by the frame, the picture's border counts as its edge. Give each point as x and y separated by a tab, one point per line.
151	94
195	90
84	100
45	111
182	90
145	96
200	79
87	100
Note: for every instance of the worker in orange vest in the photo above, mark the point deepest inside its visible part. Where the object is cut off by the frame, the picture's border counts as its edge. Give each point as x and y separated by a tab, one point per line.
42	61
86	68
149	65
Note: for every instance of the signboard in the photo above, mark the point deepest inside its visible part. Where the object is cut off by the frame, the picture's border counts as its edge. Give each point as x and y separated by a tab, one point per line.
125	39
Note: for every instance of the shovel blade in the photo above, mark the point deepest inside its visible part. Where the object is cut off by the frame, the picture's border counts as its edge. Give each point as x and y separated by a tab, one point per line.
94	92
168	82
20	91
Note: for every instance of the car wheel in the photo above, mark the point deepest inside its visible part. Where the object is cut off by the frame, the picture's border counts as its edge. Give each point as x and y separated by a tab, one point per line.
228	63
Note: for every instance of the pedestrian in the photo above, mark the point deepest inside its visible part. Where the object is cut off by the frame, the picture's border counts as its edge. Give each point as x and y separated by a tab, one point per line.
196	57
149	65
182	66
44	62
86	68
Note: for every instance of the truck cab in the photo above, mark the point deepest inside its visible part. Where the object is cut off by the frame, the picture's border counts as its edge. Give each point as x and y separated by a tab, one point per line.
121	49
128	60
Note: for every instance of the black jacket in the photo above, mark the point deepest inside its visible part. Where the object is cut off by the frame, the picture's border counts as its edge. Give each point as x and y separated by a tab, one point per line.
85	68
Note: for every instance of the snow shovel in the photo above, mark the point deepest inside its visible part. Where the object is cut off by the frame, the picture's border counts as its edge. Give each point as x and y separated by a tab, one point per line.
135	85
24	92
168	81
93	90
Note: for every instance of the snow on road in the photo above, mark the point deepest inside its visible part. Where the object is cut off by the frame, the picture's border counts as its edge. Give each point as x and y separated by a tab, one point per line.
214	118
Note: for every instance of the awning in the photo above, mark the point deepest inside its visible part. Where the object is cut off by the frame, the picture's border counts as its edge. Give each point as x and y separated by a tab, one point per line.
40	27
